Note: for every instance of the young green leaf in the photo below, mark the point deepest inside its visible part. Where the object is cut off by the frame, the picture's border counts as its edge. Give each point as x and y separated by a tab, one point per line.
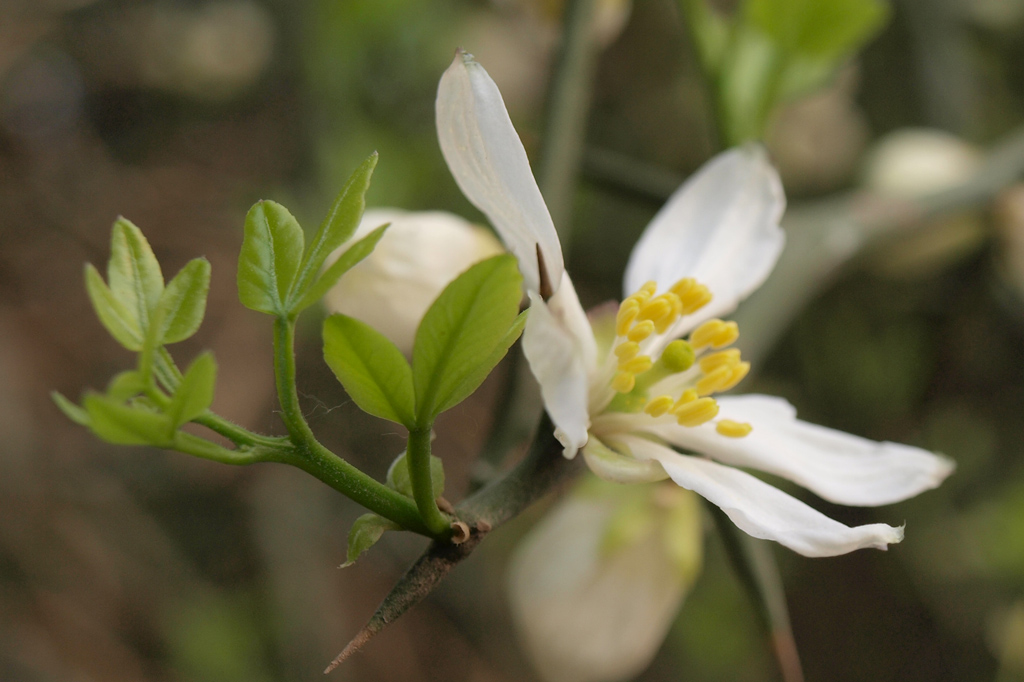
472	379
121	424
399	479
355	253
126	385
341	221
195	393
70	410
271	252
370	367
118	320
183	302
365	532
133	272
461	329
825	30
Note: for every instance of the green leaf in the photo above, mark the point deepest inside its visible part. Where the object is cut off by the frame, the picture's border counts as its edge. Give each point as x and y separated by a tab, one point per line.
121	323
824	29
195	393
472	379
133	272
461	330
269	261
126	385
71	410
370	367
121	424
399	479
183	302
339	225
365	532
710	32
345	262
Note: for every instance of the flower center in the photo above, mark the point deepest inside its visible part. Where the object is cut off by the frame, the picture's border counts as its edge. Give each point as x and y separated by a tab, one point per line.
696	368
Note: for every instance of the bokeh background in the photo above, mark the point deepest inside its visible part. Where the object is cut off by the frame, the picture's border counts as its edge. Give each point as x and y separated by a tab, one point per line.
133	564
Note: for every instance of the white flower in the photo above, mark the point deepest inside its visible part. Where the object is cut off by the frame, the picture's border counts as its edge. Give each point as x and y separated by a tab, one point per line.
418	256
631	396
595	586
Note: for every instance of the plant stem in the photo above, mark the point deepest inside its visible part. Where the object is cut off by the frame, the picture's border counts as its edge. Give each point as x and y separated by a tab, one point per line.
312	457
417	458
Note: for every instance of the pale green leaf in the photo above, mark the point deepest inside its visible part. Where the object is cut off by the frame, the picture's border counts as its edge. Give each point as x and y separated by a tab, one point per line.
126	385
195	392
270	256
183	302
133	272
122	424
824	29
118	320
460	331
370	367
398	477
339	225
70	410
365	532
355	253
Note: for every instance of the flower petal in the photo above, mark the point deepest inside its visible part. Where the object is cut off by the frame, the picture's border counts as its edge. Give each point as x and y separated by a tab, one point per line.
721	228
560	348
764	511
585	615
837	466
487	160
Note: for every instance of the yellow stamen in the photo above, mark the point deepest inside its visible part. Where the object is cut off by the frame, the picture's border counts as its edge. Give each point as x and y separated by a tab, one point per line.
726	336
627	350
659	406
731	429
627	315
738	373
706	333
655	309
648	289
696	412
712	362
682	286
713	382
641	331
688	396
637	365
624	382
696	298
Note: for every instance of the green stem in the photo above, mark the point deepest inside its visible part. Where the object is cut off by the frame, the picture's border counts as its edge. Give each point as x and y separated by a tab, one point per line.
313	458
200	447
418	460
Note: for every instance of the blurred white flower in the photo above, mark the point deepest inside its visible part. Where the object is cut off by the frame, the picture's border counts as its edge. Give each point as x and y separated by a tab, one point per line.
914	162
595	586
625	388
414	261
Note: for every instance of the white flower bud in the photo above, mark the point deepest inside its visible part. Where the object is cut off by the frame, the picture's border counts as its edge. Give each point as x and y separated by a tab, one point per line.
915	162
419	255
596	584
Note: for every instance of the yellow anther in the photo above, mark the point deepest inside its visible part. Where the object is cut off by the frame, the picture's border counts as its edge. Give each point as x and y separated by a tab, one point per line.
655	309
696	412
726	336
696	298
731	429
637	365
688	396
641	331
626	316
676	308
710	363
682	286
713	382
624	382
738	373
660	405
648	289
706	333
627	350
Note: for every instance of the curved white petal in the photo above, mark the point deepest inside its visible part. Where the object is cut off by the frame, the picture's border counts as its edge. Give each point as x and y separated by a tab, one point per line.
585	616
487	160
559	345
837	466
721	227
764	511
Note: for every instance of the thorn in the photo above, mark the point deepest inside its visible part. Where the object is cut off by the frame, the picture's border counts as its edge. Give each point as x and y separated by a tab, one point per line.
546	292
483	527
355	645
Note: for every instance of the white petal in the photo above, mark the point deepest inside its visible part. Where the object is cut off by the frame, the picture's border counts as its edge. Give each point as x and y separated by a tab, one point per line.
764	511
837	466
721	227
584	616
489	164
560	348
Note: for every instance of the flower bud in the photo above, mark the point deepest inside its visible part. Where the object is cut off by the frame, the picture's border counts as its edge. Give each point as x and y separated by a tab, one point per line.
418	256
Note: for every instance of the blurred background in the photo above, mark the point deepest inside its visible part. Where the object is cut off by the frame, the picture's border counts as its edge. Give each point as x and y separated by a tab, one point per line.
133	564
